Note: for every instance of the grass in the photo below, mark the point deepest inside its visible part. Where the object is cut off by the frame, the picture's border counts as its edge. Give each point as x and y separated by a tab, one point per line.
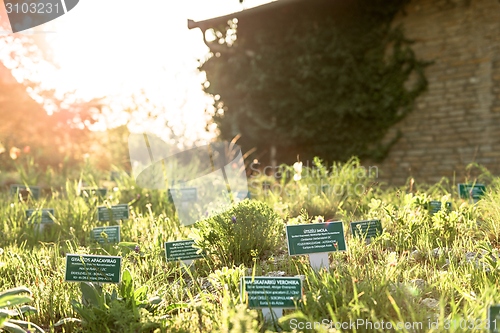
436	273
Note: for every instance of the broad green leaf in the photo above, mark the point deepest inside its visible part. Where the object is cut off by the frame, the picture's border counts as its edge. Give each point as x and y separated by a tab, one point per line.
90	294
114	295
13	300
5	313
15	291
27	325
127	285
13	328
86	314
141	293
27	309
67	321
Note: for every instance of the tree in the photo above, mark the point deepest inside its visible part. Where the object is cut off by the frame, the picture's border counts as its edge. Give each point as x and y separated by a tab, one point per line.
315	78
51	138
24	102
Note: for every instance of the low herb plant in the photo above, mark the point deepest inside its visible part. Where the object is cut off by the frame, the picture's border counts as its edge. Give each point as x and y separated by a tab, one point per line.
232	237
126	311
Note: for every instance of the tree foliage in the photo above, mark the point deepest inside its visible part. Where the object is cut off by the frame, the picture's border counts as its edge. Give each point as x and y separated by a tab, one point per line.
315	78
55	139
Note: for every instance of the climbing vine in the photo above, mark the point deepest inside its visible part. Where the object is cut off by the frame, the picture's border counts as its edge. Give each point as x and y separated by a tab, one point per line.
318	78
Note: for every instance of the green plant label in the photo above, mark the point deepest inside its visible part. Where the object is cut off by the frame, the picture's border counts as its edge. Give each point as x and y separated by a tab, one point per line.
468	191
315	238
109	234
274	292
181	250
117	212
188	194
435	206
40	216
494	318
87	193
91	268
25	191
366	229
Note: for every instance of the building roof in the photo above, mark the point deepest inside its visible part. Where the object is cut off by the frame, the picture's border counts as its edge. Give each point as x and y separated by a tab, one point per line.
247	13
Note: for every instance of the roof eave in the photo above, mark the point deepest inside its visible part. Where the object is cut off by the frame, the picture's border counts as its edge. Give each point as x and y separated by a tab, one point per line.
212	22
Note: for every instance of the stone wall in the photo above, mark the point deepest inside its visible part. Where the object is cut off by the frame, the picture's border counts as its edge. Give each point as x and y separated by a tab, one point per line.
457	121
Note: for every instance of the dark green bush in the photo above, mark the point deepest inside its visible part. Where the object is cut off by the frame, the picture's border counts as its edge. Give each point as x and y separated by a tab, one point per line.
248	230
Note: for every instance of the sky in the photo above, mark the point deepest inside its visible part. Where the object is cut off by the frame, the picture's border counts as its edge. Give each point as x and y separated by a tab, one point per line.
114	48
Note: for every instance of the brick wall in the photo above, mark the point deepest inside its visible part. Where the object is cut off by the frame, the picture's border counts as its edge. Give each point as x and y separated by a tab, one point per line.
457	121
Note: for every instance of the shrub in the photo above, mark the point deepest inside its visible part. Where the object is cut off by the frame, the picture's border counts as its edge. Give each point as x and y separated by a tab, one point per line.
248	230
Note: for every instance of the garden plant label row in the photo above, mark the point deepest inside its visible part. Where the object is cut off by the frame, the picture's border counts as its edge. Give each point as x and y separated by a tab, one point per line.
435	206
471	191
89	192
265	292
92	268
315	238
366	229
40	216
117	212
181	250
22	191
109	234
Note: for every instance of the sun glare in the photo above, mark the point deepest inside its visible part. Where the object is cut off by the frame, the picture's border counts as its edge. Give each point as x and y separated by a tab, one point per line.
117	48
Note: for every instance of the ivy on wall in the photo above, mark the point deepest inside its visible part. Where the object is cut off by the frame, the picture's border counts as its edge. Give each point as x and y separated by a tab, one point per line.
319	78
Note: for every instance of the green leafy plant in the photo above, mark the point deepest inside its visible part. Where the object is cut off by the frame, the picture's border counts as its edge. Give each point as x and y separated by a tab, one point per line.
227	278
13	298
128	311
231	236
